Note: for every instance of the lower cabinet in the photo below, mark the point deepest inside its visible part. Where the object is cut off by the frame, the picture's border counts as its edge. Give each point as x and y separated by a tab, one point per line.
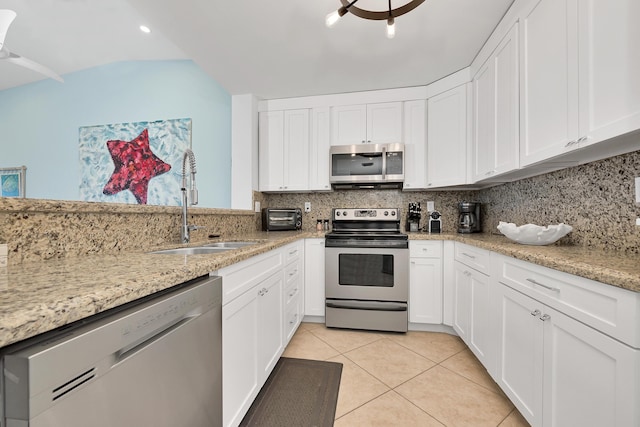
314	301
425	282
559	372
252	342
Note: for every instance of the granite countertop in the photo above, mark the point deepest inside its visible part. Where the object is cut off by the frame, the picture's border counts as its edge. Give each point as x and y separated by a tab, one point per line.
36	297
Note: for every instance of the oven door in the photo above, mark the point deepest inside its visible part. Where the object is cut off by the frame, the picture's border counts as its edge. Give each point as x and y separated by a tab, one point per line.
367	274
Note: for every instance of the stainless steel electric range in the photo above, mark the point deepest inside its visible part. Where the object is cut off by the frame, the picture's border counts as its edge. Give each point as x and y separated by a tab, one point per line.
367	270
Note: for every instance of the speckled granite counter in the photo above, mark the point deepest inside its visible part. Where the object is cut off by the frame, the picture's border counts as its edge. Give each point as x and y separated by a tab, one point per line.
37	297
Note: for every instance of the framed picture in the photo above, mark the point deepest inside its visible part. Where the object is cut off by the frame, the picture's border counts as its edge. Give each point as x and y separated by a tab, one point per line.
12	182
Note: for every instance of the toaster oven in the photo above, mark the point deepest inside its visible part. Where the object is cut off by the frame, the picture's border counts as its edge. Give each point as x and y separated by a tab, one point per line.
281	219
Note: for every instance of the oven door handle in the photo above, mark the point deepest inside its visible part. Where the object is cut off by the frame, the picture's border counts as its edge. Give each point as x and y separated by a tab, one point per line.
367	305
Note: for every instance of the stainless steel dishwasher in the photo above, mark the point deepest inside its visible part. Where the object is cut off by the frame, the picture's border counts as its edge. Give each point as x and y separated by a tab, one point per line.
156	362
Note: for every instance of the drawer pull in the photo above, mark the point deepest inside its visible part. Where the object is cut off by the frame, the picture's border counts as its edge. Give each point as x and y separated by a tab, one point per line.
467	273
294	292
295	318
544	286
545	317
293	272
467	255
293	252
536	313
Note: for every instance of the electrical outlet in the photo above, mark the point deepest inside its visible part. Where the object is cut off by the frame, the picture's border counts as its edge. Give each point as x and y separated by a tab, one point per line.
431	206
638	189
307	206
638	222
256	206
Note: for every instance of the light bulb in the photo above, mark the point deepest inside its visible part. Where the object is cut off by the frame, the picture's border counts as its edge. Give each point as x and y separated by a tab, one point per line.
391	28
332	18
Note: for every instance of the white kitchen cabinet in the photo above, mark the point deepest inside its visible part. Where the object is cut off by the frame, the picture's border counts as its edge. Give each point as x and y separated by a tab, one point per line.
415	145
319	146
496	131
270	320
447	139
472	305
558	371
579	75
284	150
609	66
549	84
425	282
293	289
314	298
367	123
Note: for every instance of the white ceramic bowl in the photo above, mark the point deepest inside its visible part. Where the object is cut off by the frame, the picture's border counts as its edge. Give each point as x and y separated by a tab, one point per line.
531	234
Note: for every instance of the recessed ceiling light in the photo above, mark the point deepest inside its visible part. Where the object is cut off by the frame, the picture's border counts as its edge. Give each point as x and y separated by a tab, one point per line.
145	29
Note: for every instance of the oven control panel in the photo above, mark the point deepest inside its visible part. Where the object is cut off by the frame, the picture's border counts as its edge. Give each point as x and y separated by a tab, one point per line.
378	214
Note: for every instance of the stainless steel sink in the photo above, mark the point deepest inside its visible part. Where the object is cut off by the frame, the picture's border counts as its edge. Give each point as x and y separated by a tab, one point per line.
230	245
210	248
197	250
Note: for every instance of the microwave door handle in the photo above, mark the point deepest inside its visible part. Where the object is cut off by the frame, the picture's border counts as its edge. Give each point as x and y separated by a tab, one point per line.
384	163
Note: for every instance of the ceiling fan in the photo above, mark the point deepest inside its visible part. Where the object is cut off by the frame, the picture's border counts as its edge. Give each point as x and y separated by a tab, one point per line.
6	18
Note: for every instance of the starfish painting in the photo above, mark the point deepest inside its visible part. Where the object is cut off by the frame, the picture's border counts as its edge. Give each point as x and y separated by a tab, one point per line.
135	165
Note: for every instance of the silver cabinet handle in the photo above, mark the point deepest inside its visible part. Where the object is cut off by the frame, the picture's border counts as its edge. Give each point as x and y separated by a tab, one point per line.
545	317
489	173
467	255
413	262
293	272
295	317
535	313
544	286
293	252
294	292
570	143
466	273
261	292
582	139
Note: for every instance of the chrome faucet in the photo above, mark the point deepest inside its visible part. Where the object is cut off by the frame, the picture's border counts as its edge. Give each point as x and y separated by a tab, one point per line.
193	193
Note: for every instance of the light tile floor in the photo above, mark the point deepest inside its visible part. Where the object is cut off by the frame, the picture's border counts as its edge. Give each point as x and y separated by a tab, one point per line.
414	379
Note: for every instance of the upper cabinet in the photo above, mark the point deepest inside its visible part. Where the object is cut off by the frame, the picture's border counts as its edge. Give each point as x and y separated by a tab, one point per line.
371	123
495	98
415	144
319	150
579	75
447	130
284	150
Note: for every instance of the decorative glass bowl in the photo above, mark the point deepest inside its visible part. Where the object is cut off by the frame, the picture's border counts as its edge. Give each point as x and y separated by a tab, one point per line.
531	234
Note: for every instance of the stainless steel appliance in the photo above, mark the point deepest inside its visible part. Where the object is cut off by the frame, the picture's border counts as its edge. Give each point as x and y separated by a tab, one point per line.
366	270
156	362
367	166
469	217
281	219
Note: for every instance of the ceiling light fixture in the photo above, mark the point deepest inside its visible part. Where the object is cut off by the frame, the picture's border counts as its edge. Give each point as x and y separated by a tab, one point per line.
387	15
145	29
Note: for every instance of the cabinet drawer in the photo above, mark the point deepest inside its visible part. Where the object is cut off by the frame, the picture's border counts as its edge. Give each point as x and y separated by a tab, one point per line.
476	258
292	292
293	252
292	272
425	249
611	310
292	318
240	277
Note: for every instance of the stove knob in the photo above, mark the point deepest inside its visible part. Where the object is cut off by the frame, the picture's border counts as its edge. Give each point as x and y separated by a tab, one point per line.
393	213
386	213
344	213
337	213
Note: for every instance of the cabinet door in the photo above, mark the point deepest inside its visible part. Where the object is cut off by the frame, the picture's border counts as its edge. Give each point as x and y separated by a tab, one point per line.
520	352
348	124
425	290
549	84
270	326
609	52
296	150
590	379
507	108
462	301
484	135
319	161
240	377
415	144
480	334
314	300
384	123
271	145
447	138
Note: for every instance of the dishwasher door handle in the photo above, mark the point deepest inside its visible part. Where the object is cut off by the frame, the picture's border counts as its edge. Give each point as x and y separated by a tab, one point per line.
132	349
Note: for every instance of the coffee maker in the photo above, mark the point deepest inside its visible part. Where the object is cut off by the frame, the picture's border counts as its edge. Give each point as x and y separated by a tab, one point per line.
469	217
414	213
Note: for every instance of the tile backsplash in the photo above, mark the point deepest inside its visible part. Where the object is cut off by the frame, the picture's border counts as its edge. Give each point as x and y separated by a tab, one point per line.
596	199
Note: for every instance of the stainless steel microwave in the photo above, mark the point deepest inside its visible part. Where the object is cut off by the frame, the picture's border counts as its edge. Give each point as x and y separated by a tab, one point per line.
281	219
367	166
